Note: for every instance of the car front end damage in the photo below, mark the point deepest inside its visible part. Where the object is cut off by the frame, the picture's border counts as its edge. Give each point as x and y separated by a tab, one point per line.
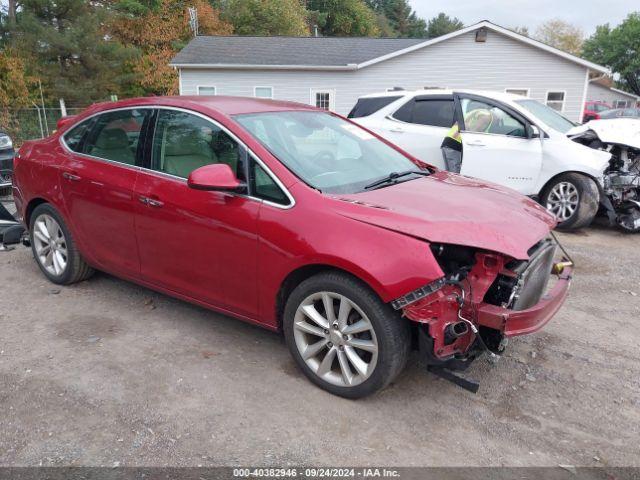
483	299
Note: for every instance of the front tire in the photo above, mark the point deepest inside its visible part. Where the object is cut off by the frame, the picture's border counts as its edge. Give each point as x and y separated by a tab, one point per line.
343	337
573	199
54	249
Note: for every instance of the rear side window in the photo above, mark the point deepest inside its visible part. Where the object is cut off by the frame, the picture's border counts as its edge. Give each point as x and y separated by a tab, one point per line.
73	138
115	135
434	113
368	106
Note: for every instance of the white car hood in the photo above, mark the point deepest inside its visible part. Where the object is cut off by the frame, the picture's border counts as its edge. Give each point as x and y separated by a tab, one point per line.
621	131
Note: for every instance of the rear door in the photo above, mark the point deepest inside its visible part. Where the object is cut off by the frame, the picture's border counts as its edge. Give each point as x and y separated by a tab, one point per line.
498	144
201	244
97	180
420	125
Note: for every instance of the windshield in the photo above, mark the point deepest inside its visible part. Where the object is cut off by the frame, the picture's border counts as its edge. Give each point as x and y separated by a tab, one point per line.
327	152
548	115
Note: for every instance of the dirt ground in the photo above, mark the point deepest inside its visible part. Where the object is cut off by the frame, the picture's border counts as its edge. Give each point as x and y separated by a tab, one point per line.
109	373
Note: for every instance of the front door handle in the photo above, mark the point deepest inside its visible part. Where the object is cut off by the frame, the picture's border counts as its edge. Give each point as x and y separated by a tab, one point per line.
72	177
150	201
397	130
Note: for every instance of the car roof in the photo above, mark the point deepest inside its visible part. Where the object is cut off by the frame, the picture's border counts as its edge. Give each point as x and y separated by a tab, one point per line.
225	105
501	96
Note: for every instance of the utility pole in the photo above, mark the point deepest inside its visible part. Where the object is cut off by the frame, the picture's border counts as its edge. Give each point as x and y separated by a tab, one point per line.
193	20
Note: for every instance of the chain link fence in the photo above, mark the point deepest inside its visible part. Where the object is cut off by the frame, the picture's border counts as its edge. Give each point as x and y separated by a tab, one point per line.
32	123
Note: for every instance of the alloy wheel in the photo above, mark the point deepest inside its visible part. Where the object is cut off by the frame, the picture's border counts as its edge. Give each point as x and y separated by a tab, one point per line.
563	200
50	245
336	339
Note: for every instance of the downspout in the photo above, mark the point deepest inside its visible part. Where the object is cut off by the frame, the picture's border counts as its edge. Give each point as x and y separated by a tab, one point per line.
584	95
179	81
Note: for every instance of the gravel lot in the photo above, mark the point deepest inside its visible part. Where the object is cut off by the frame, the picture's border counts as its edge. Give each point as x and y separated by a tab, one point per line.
109	373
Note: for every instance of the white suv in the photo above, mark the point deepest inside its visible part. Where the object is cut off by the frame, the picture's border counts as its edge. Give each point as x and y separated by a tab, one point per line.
524	147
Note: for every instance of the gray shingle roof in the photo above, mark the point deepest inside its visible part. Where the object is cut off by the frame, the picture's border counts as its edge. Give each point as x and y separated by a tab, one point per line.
293	51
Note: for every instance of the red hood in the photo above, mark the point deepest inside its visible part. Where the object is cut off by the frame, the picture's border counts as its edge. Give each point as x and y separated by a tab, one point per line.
448	208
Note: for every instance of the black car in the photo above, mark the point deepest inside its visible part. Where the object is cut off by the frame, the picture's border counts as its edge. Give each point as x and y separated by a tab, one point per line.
6	161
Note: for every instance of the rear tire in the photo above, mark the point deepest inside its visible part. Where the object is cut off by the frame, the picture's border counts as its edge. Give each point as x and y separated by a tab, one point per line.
356	349
573	198
54	249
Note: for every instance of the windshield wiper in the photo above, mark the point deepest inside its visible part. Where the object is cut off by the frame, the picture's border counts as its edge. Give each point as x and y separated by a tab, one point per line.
393	177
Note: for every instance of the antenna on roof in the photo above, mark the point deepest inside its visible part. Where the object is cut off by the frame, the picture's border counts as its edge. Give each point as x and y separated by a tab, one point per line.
193	20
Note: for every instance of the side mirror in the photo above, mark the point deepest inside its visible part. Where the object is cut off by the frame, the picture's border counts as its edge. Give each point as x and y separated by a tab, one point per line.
217	177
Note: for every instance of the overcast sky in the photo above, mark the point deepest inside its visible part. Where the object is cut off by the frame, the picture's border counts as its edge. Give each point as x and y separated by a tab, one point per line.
530	13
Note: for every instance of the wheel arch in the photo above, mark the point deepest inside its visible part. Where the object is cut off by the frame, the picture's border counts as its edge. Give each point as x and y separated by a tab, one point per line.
577	172
302	273
31	206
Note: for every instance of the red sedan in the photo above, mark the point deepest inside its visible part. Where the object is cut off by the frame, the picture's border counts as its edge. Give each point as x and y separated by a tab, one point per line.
297	220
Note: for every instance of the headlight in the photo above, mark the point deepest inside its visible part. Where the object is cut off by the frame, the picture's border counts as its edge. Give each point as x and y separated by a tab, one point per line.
5	142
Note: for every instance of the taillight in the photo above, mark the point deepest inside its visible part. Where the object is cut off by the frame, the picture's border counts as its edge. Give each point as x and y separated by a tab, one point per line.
596	116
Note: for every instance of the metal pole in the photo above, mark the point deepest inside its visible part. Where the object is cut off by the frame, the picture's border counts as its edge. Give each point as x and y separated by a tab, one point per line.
63	108
44	110
39	119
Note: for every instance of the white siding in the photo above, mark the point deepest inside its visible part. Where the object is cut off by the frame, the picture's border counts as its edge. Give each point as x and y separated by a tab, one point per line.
599	93
460	62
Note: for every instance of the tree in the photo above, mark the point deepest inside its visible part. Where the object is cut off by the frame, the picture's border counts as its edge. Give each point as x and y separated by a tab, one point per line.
266	17
157	35
619	49
561	35
344	18
14	89
401	17
64	43
442	24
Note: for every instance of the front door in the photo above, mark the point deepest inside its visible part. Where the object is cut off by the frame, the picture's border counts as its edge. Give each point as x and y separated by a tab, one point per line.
200	244
97	182
498	145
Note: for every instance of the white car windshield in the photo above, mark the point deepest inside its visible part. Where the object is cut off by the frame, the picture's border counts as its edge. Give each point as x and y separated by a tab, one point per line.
327	152
548	115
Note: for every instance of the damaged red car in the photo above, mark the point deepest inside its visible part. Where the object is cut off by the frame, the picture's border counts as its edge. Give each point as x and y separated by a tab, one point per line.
297	220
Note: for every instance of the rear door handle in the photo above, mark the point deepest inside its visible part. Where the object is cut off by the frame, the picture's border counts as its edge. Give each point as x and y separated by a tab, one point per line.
397	130
72	177
476	143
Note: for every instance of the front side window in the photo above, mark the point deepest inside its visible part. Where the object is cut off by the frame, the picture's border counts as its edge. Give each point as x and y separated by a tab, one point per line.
481	117
184	142
115	135
325	151
555	100
73	138
263	186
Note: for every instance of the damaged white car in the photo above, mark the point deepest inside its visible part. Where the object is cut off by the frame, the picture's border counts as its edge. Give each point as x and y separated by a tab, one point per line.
523	145
621	190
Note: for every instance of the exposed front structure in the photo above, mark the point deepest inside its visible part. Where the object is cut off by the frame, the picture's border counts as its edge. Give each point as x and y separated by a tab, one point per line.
332	73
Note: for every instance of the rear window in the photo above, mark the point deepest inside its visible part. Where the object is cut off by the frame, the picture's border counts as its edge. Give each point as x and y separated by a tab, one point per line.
367	106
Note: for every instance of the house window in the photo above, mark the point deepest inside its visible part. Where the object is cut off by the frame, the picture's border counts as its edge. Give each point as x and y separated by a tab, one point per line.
324	99
523	92
555	100
263	92
206	90
621	104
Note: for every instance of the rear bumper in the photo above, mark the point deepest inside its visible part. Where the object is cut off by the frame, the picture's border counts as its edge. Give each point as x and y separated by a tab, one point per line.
514	323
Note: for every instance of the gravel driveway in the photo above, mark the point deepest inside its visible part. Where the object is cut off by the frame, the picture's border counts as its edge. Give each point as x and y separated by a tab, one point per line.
109	373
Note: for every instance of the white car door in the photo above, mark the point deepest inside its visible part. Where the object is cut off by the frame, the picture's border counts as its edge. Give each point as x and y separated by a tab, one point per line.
498	145
420	125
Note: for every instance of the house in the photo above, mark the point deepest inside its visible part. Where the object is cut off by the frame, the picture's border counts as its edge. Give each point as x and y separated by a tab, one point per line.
600	90
332	72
